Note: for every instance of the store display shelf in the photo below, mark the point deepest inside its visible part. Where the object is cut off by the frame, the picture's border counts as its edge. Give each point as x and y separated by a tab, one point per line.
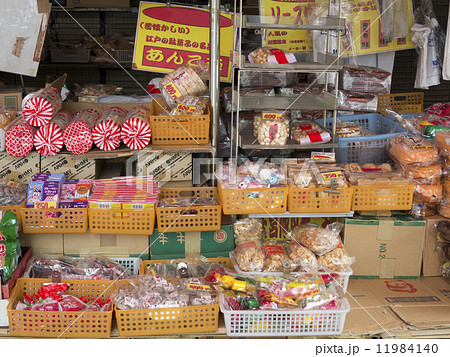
266	22
248	141
325	101
302	215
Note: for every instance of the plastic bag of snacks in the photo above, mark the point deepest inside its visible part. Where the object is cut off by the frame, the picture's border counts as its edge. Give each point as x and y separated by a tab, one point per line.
258	118
348	129
317	239
273	132
412	150
302	258
442	230
180	83
271	56
442	139
428	193
9	245
422	209
249	256
306	133
336	260
12	193
247	230
296	288
275	256
190	105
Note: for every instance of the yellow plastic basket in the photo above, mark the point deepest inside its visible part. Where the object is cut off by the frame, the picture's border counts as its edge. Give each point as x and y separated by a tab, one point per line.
148	263
253	200
189	219
186	129
121	221
382	197
316	200
65	324
402	103
54	220
17	210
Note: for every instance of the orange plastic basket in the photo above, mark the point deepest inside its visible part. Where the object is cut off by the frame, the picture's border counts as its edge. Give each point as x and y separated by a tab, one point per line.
121	221
382	197
402	103
189	219
54	220
17	210
253	200
148	263
316	200
66	324
186	129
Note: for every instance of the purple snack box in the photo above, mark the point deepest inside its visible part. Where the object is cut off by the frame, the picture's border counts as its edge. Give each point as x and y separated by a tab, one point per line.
82	204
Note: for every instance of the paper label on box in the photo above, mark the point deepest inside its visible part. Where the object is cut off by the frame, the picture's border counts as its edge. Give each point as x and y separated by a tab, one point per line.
331	175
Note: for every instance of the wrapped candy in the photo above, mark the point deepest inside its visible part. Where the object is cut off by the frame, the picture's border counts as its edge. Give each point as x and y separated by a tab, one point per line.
19	137
296	288
49	137
107	130
78	135
41	106
136	131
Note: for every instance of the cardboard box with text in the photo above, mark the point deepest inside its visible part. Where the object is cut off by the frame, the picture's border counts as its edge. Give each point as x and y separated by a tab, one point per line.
431	265
19	169
70	165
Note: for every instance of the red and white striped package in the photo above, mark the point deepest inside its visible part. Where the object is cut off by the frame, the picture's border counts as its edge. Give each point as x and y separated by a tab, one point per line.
106	133
19	138
136	131
38	108
78	135
48	140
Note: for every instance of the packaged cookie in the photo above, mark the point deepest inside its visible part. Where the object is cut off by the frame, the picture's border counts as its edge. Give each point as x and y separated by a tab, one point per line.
442	139
422	209
190	105
428	193
303	137
249	256
247	230
336	260
266	55
274	256
408	149
317	239
348	129
430	175
273	132
302	258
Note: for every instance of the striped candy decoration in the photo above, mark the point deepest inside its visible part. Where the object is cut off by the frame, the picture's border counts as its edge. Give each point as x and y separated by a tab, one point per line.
136	131
78	135
19	138
49	138
106	133
40	107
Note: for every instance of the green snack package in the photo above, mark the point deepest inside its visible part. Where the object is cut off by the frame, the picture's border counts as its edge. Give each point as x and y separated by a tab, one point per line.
9	244
431	130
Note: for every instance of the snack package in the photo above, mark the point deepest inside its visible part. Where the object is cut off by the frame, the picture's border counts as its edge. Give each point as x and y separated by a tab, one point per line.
422	209
327	300
180	83
48	140
444	209
302	258
274	115
377	179
38	108
428	193
249	256
442	229
191	105
308	133
12	193
318	240
106	133
442	139
366	79
337	260
19	137
78	135
426	175
247	230
234	300
273	132
187	202
136	131
357	101
348	129
408	149
6	116
271	56
295	288
9	245
275	257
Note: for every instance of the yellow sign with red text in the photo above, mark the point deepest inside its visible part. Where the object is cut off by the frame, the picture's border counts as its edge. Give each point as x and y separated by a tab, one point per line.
170	36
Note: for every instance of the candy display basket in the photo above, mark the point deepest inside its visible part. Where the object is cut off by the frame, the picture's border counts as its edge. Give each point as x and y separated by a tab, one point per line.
179	129
189	219
132	264
121	221
17	210
382	197
65	324
318	200
148	263
402	103
266	323
54	220
253	200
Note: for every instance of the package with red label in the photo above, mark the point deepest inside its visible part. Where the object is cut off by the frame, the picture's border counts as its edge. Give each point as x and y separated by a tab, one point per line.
271	56
275	257
308	133
273	132
40	107
250	256
136	131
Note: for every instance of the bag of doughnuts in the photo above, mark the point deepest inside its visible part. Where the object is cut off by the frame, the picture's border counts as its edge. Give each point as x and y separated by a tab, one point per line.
442	139
425	175
317	239
249	256
302	258
428	193
336	260
274	256
247	230
408	149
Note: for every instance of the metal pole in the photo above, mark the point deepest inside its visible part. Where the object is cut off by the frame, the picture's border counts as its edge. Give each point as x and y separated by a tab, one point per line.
214	81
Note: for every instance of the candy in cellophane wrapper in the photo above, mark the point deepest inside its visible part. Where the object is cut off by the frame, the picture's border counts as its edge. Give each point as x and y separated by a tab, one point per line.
234	300
200	292
337	260
266	55
327	300
317	239
250	256
247	230
225	279
187	268
187	202
302	258
295	288
275	257
190	105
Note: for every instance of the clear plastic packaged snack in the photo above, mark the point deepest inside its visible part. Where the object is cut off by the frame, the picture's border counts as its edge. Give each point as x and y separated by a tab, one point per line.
12	193
366	79
273	132
295	288
348	129
247	230
428	193
337	260
190	105
307	133
266	55
422	209
302	258
275	256
250	256
425	175
408	149
442	139
317	239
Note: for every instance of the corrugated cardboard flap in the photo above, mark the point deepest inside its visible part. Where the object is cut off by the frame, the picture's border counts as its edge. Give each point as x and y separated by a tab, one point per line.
424	316
107	251
385	228
192	244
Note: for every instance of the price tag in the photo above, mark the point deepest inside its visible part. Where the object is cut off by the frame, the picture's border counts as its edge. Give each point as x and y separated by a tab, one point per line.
424	123
271	116
12	184
422	147
355	168
173	91
199	287
186	108
331	175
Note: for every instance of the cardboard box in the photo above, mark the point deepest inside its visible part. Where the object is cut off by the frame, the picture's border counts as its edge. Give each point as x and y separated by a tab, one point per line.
97	3
193	244
110	245
43	243
70	165
19	169
430	258
277	228
11	99
385	247
164	167
397	307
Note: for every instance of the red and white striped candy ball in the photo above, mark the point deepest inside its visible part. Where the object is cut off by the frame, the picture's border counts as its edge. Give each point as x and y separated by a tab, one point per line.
136	134
37	111
49	139
106	135
19	139
78	137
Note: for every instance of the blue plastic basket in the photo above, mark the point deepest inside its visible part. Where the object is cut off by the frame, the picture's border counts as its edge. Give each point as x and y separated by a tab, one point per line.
365	149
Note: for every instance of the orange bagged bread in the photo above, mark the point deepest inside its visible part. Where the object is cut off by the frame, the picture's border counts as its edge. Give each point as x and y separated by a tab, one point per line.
444	209
425	174
409	149
442	139
422	209
428	193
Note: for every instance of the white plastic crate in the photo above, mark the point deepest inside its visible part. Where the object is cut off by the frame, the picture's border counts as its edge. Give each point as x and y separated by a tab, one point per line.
284	322
132	264
340	278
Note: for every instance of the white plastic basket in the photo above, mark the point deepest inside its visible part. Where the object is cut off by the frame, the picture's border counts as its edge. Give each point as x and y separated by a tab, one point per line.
340	278
284	322
132	264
